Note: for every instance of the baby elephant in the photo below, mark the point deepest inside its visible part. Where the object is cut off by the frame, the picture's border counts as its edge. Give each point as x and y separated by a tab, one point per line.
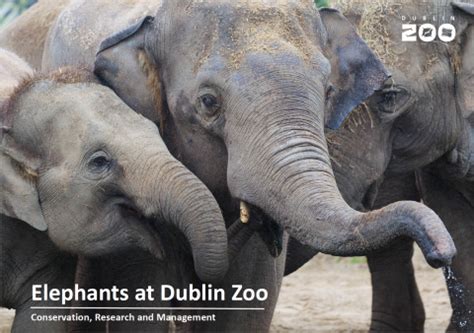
79	163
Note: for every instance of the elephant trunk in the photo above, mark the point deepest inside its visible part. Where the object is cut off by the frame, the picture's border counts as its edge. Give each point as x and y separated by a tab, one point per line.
171	193
285	170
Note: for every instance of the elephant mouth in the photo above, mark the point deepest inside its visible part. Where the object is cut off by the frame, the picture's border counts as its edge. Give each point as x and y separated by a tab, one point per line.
128	210
130	213
270	232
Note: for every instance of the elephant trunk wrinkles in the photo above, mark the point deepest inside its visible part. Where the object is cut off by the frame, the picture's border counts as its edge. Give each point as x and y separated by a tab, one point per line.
172	193
286	171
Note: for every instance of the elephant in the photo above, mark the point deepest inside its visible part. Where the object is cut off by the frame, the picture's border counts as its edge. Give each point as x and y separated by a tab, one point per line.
131	54
127	44
35	259
433	107
421	117
452	199
246	113
74	163
447	184
30	29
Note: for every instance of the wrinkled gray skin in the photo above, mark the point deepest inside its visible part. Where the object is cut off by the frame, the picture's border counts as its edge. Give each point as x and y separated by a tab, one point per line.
453	200
99	163
33	260
425	117
245	112
79	163
130	270
434	122
28	255
448	186
208	114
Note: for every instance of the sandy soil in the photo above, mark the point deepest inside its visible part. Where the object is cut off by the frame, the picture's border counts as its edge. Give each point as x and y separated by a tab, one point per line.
6	318
333	294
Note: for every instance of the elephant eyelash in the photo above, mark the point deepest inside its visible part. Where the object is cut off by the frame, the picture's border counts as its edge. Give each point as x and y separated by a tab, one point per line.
209	101
99	164
210	104
330	92
390	94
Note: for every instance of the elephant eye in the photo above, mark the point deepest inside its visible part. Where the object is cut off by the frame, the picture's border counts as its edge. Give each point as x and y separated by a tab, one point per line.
210	104
99	162
330	91
209	101
390	96
392	100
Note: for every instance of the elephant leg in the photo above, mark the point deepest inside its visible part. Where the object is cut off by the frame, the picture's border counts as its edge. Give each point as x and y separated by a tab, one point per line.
297	255
396	301
130	270
86	278
254	268
137	270
453	201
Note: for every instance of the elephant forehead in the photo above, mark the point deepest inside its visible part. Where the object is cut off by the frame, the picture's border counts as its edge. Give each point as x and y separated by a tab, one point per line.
380	26
85	22
80	110
235	29
261	4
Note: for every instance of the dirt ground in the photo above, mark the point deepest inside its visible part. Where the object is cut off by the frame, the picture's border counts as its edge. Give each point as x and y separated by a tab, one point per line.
333	294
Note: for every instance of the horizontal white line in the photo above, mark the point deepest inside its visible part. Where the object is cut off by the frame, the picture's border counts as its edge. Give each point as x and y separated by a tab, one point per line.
140	308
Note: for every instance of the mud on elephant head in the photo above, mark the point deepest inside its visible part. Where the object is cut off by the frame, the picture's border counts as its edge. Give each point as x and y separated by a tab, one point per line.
79	163
242	91
429	99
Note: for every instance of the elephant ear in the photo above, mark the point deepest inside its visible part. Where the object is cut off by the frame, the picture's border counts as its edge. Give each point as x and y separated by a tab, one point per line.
465	70
19	196
467	8
18	169
356	72
123	64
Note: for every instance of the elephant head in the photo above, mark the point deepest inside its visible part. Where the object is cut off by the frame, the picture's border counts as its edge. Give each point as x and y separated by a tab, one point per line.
242	91
428	100
79	163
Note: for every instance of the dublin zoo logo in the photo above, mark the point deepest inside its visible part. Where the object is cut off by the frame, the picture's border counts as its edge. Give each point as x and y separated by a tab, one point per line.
427	32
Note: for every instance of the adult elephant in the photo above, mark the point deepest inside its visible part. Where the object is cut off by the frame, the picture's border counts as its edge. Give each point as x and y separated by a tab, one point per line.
453	200
447	185
430	98
423	115
240	91
25	35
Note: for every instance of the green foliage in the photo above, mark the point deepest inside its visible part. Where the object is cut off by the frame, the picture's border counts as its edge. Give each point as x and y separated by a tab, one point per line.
352	260
322	3
9	9
358	260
